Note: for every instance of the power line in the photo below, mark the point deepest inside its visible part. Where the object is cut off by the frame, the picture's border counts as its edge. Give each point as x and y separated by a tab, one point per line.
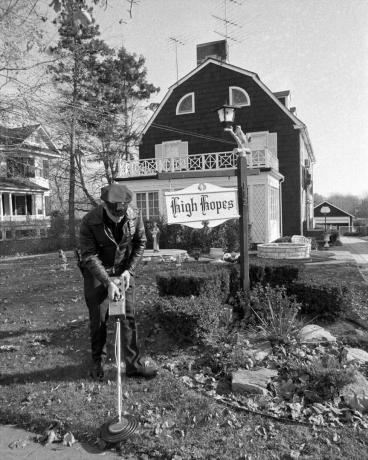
190	133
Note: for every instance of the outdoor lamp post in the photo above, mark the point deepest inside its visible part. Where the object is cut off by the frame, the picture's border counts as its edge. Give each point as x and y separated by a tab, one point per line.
226	115
326	210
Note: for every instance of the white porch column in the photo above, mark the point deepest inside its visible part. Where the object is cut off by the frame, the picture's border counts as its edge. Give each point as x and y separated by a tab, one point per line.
44	206
1	207
33	204
10	205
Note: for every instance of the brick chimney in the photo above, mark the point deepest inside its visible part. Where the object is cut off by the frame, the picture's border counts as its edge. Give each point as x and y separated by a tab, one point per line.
218	50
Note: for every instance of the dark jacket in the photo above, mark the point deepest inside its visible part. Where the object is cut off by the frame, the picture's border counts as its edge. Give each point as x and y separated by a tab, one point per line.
101	254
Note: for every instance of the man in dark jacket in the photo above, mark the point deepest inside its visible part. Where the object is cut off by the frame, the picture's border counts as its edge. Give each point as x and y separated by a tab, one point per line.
112	241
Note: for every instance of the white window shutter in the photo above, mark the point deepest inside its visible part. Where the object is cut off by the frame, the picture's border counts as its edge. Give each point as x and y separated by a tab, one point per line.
183	149
272	143
158	152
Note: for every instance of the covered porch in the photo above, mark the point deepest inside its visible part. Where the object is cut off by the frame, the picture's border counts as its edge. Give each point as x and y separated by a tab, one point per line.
22	206
22	201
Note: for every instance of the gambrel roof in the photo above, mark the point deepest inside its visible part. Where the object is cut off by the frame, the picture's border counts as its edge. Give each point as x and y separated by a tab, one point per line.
298	124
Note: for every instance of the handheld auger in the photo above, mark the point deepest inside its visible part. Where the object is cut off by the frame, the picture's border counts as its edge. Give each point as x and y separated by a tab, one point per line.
119	429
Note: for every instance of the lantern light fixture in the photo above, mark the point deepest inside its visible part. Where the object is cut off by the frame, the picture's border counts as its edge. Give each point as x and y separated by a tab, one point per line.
226	114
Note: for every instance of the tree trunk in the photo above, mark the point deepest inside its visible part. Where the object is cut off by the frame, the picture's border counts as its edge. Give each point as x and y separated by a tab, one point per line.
78	163
71	199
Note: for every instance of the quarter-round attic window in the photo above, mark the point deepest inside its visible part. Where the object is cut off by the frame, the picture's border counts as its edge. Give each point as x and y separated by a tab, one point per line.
238	97
186	104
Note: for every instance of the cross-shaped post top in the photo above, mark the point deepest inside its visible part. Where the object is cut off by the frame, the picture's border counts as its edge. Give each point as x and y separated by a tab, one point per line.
241	140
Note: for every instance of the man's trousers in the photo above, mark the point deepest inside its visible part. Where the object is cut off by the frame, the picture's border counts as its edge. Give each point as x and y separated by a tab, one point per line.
96	299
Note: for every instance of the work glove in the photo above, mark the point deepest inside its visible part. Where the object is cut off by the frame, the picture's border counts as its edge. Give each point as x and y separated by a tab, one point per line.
113	291
125	276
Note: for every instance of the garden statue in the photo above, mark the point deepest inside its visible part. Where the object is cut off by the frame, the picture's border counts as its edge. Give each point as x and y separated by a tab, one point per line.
63	259
155	232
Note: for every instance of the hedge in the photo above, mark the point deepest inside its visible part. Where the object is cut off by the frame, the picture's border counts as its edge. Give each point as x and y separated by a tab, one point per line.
328	301
190	319
214	282
274	275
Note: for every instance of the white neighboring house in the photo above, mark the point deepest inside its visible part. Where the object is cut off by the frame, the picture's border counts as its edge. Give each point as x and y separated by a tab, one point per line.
25	155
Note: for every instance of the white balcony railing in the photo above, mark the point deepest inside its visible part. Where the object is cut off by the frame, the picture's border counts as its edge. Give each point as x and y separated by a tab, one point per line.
200	162
24	218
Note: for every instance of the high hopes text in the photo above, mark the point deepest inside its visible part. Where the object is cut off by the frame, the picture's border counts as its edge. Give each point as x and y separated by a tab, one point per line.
203	205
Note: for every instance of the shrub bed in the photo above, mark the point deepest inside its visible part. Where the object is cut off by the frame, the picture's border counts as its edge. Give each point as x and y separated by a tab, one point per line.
213	281
190	319
317	377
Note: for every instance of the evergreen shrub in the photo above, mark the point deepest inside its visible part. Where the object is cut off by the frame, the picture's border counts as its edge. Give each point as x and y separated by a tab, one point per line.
190	319
328	301
351	234
274	275
212	281
225	236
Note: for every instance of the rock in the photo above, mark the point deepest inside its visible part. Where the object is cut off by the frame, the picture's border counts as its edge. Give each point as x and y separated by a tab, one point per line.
216	253
261	351
252	381
356	394
356	354
313	333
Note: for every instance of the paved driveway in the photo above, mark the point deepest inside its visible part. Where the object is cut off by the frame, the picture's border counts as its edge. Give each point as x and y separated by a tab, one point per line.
16	443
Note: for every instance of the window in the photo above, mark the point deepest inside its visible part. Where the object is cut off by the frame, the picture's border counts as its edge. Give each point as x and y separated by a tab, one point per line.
22	204
148	203
20	234
186	104
142	203
20	167
238	97
153	207
47	205
45	169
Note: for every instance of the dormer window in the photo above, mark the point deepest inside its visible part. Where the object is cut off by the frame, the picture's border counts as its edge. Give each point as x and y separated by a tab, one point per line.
238	97
186	105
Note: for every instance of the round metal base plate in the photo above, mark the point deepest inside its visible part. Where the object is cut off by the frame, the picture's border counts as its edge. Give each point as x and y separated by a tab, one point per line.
115	431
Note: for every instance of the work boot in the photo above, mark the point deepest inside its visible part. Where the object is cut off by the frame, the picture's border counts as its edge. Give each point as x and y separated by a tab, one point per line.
97	372
142	371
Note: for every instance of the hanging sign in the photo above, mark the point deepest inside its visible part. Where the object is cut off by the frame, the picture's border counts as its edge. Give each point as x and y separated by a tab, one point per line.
325	210
202	205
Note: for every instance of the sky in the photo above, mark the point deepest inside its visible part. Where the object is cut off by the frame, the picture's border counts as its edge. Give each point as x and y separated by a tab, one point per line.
317	49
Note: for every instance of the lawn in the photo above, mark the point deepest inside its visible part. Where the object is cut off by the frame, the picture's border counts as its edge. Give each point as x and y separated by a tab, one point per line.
44	358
